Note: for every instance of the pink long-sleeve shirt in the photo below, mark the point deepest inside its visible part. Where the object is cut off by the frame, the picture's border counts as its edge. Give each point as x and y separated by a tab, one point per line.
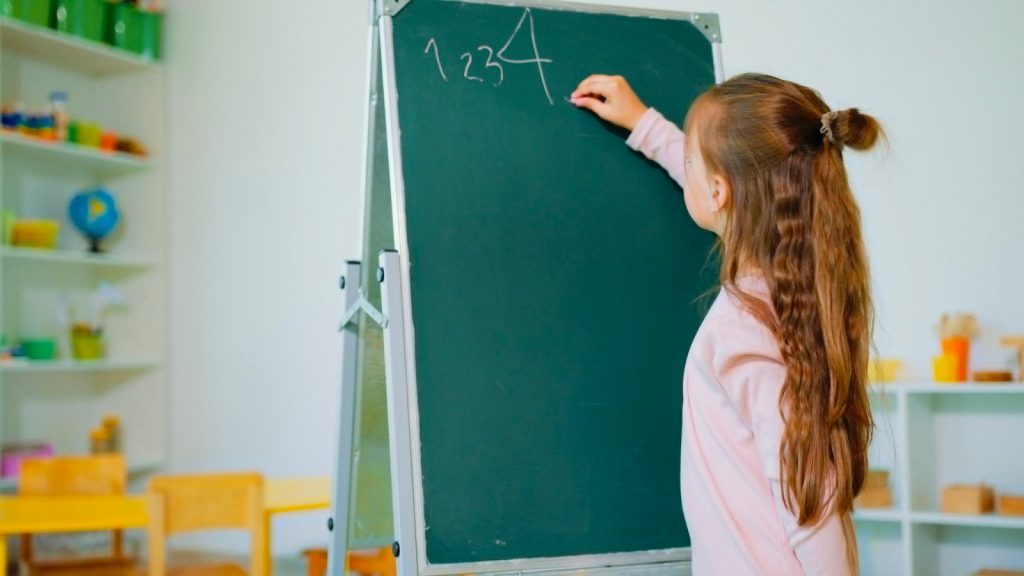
732	429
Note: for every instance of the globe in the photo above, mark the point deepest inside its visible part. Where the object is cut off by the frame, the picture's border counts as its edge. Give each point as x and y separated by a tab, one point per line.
94	213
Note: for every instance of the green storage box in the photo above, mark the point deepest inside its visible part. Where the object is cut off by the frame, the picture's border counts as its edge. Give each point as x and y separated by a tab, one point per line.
39	348
38	12
136	30
83	18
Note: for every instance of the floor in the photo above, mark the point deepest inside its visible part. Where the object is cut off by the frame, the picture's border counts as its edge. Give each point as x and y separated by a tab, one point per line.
283	566
289	567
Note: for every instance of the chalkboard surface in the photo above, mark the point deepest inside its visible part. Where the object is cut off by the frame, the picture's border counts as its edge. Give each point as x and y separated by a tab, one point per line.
555	279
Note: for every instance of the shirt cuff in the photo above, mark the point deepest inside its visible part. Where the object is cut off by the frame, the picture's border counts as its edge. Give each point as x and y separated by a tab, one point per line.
643	128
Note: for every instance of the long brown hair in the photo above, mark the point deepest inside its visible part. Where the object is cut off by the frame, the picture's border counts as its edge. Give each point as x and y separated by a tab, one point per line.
795	220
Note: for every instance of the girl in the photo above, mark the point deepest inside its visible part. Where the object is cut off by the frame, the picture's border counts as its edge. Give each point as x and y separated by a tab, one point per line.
776	420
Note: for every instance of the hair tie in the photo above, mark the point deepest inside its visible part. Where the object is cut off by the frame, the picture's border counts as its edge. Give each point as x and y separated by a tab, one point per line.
826	125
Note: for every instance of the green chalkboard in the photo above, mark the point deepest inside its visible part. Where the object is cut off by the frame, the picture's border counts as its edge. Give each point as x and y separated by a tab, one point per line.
555	278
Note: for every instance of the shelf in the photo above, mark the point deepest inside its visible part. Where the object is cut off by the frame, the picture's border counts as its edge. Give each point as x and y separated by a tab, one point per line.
72	366
107	163
941	519
69	52
981	521
948	388
877	515
50	400
75	258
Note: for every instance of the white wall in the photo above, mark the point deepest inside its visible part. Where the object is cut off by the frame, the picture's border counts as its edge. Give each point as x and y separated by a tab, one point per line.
265	120
264	108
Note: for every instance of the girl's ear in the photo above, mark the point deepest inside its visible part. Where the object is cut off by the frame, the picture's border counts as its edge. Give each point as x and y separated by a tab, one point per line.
720	194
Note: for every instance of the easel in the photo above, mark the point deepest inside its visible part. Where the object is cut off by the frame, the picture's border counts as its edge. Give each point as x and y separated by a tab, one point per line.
393	274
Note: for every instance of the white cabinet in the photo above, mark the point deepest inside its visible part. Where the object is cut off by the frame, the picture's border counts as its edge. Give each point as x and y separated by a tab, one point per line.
61	400
930	436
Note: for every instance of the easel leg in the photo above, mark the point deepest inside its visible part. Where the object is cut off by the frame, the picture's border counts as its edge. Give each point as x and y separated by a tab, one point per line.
395	370
342	501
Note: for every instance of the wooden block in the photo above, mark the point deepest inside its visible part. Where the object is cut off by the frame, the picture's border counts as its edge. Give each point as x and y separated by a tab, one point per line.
1018	343
968	499
874	498
1011	505
877	478
997	572
993	376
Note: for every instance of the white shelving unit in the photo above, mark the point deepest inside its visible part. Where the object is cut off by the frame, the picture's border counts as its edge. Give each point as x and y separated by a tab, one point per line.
108	164
29	255
60	400
80	366
930	436
78	55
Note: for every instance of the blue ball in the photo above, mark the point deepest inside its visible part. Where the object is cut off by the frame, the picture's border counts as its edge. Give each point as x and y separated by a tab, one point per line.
94	212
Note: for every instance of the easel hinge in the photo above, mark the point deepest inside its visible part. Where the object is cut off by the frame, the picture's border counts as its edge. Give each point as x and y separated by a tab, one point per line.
363	305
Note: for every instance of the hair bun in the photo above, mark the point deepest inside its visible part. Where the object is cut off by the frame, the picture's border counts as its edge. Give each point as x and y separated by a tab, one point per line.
851	128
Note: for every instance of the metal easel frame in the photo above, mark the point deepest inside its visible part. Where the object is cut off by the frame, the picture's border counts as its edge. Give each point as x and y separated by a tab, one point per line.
344	489
400	370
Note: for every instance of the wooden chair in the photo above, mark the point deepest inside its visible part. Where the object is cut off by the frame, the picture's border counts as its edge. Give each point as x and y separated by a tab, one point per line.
373	563
96	475
180	504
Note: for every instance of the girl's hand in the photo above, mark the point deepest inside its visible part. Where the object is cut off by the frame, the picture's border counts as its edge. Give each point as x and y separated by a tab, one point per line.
611	98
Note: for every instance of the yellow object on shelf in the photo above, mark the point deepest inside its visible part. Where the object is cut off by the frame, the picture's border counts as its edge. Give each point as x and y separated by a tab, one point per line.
876	492
35	233
960	348
112	424
1018	343
86	344
883	369
99	441
968	499
947	368
1011	505
874	498
876	478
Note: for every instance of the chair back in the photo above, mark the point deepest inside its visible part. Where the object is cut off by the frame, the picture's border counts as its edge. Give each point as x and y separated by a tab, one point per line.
191	503
93	475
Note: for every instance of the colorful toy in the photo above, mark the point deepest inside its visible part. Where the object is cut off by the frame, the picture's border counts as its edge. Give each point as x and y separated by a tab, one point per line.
35	233
94	213
956	332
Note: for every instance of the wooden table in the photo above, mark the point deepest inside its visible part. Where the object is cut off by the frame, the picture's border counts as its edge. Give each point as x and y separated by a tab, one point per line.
285	495
40	514
296	494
